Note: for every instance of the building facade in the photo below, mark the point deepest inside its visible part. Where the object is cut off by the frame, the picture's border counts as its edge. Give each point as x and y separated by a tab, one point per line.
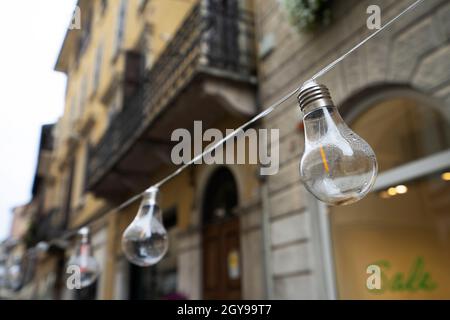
138	70
394	92
28	274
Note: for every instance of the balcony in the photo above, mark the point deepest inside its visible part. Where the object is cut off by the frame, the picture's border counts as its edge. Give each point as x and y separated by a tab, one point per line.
206	70
45	226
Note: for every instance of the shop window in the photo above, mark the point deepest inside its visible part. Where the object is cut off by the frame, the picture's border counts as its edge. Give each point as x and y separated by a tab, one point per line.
402	227
402	130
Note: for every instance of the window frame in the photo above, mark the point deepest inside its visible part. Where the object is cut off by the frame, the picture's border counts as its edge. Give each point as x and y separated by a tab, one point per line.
119	33
97	68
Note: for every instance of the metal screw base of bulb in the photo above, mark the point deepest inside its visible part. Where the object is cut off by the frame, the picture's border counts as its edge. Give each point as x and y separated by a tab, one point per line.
315	95
150	196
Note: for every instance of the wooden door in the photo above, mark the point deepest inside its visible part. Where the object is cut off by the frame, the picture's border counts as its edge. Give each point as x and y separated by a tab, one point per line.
221	260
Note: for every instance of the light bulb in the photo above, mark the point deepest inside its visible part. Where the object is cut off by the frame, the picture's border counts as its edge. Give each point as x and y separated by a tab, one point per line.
338	167
145	241
42	247
14	273
84	259
3	275
3	272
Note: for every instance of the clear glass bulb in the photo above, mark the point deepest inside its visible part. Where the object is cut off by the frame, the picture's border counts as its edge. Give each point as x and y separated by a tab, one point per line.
145	241
2	276
3	271
338	167
14	273
83	258
42	247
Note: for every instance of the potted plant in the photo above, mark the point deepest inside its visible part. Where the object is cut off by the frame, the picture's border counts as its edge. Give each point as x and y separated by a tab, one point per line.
308	15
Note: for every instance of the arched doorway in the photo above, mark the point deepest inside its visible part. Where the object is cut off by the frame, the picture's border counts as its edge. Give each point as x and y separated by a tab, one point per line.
403	226
220	238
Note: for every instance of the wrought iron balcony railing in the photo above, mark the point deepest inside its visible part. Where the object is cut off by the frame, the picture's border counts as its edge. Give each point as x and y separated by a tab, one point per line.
45	226
211	40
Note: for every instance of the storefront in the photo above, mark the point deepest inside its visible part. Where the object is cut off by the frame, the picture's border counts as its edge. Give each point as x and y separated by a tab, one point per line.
403	226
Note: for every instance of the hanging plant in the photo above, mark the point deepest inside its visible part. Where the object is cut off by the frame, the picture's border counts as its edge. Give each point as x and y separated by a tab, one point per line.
308	14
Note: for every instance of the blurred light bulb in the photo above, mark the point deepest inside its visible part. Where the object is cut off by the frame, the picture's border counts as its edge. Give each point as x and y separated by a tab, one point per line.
42	247
145	241
2	269
446	176
84	259
14	273
392	191
384	195
3	280
401	189
338	167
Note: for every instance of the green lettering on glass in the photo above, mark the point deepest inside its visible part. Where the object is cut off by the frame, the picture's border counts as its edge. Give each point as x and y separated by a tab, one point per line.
417	279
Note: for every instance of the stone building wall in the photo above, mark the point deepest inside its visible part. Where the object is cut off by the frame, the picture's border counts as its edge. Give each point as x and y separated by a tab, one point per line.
415	51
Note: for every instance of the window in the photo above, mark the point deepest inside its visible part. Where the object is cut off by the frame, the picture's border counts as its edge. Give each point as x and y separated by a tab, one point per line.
85	32
120	29
73	109
104	6
81	167
97	68
403	225
142	4
83	96
115	106
145	47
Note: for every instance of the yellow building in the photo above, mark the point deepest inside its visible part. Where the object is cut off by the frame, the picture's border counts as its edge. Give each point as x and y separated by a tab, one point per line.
137	70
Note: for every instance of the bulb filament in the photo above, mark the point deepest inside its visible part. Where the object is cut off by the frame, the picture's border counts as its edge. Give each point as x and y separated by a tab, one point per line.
324	160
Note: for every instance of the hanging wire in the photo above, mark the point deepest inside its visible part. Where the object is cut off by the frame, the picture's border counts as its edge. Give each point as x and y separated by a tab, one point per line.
285	98
226	138
360	44
71	233
261	115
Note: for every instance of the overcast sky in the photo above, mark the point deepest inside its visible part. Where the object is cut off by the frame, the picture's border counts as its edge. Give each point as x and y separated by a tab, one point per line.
31	93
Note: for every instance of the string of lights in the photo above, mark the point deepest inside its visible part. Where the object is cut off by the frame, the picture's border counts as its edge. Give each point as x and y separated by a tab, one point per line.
311	96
